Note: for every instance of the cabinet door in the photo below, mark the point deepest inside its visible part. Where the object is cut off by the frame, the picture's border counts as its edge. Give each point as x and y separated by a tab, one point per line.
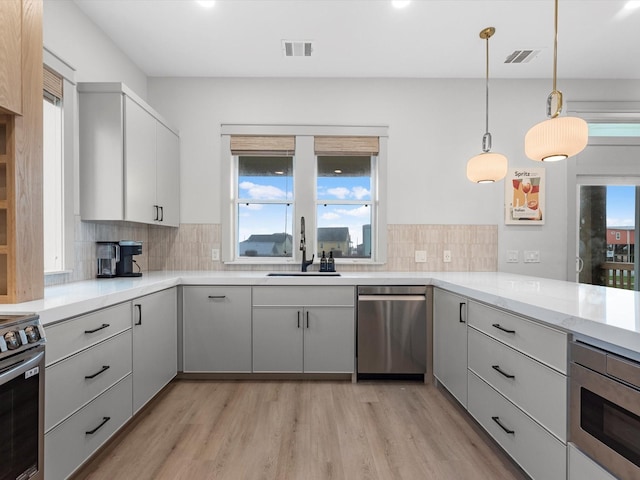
140	163
11	56
329	340
168	176
155	346
217	329
277	339
450	342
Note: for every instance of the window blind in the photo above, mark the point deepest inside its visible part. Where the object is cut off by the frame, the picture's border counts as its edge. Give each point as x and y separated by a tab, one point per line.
346	146
52	83
263	145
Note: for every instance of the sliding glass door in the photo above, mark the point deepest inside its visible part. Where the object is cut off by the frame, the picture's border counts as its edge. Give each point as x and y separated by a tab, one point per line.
608	231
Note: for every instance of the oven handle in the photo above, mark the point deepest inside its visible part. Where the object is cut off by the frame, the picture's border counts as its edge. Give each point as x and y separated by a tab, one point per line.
21	367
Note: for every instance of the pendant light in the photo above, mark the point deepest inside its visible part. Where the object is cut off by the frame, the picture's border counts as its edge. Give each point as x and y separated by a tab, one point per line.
558	137
487	167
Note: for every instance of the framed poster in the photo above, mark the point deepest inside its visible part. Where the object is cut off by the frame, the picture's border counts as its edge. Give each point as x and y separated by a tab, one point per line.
524	191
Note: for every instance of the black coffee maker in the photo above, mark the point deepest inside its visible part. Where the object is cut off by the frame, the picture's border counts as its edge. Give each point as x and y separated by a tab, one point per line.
124	268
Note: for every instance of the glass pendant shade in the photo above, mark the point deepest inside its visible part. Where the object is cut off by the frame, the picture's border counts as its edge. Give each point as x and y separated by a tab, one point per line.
487	167
556	139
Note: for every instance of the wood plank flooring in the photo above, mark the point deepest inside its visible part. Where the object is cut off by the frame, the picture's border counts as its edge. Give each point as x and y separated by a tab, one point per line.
301	430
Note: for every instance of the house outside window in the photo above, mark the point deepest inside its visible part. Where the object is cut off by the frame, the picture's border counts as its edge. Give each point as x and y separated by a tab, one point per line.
336	182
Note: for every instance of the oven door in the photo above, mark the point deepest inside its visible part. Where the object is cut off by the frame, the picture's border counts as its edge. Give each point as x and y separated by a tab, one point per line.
22	416
605	421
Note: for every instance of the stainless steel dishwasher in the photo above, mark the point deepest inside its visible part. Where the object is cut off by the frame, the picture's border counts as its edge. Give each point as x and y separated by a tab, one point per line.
392	330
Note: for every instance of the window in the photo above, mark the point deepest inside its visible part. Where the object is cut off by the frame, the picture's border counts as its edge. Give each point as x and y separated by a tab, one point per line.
333	181
52	172
59	163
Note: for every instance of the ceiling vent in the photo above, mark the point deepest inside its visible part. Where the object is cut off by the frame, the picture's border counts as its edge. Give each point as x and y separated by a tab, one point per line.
297	48
522	56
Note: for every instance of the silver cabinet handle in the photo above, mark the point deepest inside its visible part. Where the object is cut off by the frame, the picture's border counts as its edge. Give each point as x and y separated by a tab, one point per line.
462	304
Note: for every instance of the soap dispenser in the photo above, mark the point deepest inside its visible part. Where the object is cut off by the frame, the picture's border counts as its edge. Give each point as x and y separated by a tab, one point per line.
331	263
323	262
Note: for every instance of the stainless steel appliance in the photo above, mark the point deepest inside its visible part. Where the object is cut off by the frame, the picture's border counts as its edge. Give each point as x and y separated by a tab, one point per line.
124	268
22	342
605	408
392	330
108	254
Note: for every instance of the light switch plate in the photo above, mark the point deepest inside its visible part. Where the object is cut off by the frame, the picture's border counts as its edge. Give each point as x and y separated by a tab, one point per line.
446	257
532	256
513	256
421	256
215	254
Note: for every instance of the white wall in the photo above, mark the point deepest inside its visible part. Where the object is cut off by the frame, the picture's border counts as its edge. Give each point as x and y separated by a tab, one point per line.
70	35
434	127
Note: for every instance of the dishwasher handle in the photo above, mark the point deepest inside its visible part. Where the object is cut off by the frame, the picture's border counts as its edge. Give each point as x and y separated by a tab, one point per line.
394	298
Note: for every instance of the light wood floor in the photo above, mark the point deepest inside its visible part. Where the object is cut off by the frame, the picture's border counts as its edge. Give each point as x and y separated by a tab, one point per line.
301	430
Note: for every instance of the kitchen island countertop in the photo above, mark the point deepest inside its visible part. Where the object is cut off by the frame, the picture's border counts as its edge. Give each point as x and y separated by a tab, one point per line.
605	314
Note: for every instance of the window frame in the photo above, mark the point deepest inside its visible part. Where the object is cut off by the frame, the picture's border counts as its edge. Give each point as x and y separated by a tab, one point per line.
305	199
70	159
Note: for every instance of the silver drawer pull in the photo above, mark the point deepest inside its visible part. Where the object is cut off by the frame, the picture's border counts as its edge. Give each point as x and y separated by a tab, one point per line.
104	420
506	430
103	326
501	372
102	370
500	327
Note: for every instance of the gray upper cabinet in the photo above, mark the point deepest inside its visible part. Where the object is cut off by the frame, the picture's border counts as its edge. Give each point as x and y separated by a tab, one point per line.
217	329
450	342
129	158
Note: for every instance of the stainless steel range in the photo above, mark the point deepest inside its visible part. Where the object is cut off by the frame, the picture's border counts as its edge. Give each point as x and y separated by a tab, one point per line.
22	342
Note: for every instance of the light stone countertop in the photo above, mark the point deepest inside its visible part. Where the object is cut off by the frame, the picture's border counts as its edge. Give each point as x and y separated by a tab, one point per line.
605	314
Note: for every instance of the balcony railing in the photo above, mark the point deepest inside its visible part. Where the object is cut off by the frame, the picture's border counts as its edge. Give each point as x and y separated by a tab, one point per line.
619	274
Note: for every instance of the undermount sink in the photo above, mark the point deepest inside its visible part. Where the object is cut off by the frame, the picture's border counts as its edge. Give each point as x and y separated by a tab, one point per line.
303	274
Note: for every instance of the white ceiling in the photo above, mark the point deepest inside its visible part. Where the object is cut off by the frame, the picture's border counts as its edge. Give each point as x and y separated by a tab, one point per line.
370	38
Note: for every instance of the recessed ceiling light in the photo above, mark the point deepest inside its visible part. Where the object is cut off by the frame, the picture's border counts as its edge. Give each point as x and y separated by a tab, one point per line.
400	3
206	3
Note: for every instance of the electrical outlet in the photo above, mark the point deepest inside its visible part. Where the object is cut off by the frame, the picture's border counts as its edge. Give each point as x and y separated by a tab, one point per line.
446	258
532	256
215	254
513	256
421	256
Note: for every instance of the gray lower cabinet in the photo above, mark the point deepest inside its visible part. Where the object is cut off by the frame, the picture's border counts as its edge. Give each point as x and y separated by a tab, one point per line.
155	346
304	329
216	329
581	467
450	342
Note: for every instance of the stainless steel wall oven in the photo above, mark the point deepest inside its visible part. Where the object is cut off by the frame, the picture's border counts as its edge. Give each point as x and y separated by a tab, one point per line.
21	398
605	409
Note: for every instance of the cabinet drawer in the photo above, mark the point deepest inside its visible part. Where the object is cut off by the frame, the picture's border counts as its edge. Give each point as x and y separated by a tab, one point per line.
304	296
68	445
582	467
68	389
539	453
538	341
71	336
535	388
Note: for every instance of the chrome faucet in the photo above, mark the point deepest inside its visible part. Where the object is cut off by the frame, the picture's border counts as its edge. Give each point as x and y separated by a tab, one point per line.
303	247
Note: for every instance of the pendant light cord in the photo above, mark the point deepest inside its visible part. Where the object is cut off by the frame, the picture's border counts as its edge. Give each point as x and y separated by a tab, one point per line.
555	48
555	93
486	110
486	138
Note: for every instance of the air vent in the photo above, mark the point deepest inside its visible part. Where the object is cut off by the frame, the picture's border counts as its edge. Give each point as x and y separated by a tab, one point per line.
297	48
522	56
